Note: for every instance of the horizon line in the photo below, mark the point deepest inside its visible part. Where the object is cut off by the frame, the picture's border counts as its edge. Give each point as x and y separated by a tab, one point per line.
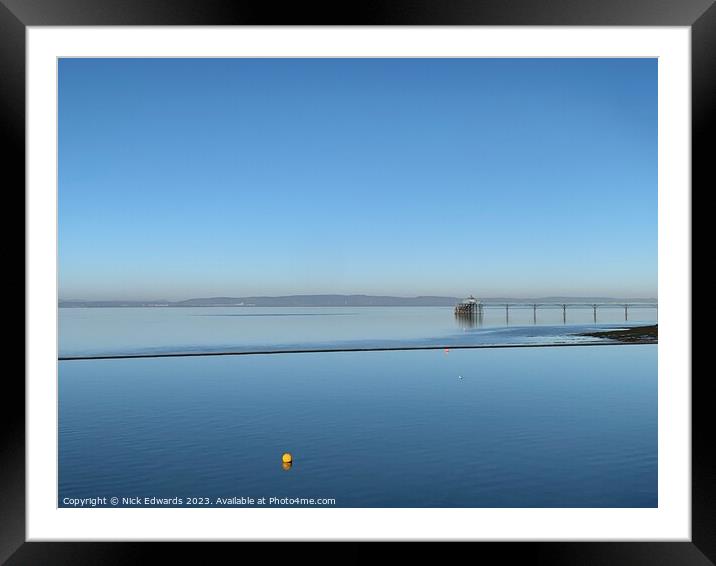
420	296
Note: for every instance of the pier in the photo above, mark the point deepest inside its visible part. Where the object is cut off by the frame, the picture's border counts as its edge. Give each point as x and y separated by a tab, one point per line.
472	309
470	312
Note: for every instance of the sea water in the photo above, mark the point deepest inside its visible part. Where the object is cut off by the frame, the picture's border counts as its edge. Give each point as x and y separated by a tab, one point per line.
120	331
569	426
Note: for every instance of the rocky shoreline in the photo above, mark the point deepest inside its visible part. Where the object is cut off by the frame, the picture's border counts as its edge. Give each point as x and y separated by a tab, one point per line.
638	334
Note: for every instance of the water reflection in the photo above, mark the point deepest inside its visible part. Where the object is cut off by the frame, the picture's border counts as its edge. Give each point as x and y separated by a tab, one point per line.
471	319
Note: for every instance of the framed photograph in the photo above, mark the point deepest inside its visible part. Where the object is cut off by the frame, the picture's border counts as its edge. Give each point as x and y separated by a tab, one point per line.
394	277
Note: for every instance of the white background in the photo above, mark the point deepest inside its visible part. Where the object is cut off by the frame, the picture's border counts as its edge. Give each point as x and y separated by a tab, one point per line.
670	521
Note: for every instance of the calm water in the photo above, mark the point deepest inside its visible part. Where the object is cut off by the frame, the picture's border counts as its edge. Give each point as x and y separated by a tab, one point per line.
96	331
531	427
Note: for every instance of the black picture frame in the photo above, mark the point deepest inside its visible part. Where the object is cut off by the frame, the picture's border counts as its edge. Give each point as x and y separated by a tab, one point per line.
16	15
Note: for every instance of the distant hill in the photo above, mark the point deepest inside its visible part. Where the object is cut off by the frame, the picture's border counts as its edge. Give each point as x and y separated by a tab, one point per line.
338	301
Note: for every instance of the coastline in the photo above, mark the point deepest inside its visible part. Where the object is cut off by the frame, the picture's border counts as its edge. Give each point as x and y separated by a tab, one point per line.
636	335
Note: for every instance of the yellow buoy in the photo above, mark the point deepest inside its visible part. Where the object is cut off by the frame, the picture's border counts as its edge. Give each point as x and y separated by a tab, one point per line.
287	458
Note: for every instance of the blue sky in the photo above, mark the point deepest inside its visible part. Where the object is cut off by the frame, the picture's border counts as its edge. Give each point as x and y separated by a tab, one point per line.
181	178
